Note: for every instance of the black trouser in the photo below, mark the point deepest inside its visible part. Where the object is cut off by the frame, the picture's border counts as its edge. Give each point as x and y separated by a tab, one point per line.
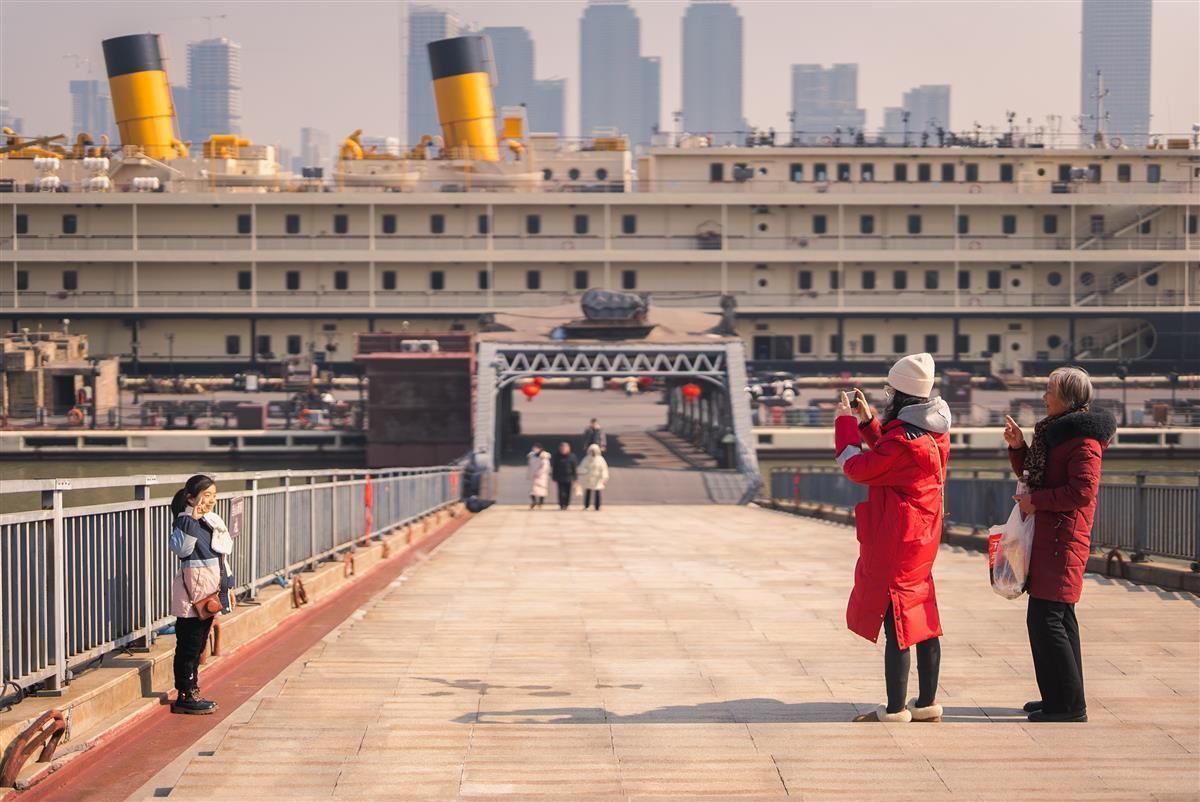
191	636
897	664
1054	641
564	493
587	498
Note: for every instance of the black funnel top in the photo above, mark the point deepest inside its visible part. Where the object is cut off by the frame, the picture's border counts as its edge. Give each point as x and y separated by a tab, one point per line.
138	52
458	56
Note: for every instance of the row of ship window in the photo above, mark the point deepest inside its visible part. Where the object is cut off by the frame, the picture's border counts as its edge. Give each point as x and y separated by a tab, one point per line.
341	280
948	172
629	280
784	346
533	224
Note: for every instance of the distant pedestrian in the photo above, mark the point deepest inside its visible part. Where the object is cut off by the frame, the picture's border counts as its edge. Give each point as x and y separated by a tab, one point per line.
899	529
199	579
539	474
593	475
593	434
1063	467
564	469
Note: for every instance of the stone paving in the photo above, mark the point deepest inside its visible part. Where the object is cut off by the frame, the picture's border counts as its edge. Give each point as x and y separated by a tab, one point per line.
696	652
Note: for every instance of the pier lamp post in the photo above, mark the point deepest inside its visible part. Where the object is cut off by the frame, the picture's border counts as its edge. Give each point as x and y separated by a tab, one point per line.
1122	374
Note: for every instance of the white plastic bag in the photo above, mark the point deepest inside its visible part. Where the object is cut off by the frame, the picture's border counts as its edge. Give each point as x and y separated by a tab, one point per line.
1009	548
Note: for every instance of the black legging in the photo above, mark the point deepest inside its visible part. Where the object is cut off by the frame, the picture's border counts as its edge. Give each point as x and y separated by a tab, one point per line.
191	636
897	664
587	498
564	494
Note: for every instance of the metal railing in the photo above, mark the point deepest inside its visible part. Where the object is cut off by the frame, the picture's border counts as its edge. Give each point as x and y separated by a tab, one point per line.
78	582
1144	512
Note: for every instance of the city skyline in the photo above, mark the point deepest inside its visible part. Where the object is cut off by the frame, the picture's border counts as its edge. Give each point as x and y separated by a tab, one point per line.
285	90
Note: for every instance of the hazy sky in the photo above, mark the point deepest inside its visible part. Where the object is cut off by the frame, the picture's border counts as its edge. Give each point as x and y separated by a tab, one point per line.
338	65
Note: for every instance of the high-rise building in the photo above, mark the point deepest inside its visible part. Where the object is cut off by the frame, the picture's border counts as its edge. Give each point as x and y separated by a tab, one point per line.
91	110
8	119
515	62
548	112
512	54
650	99
825	102
181	98
613	92
214	89
928	109
316	148
425	24
712	71
1116	44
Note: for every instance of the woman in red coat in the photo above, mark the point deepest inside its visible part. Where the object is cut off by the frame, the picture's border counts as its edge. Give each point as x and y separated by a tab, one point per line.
899	529
1063	466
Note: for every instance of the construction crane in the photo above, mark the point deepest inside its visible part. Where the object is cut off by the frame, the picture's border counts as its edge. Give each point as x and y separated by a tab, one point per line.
80	60
206	17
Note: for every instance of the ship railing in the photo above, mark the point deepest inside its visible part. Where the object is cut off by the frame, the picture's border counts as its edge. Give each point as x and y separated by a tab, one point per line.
621	242
80	579
914	298
1142	512
760	184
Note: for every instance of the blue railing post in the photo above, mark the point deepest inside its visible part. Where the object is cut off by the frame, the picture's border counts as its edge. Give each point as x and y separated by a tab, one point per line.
1140	520
251	524
141	494
287	514
53	500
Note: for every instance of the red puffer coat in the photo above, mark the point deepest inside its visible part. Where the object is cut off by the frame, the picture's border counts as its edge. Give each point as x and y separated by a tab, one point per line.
900	523
1065	504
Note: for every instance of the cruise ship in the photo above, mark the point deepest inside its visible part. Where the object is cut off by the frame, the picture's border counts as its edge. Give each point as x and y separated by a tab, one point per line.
998	257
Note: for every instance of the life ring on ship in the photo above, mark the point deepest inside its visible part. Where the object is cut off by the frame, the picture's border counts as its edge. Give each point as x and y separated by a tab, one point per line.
973	301
974	245
1116	142
975	189
800	242
568	246
75	416
826	140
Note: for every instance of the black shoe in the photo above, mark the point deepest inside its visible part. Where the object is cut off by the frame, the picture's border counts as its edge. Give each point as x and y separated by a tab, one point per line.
1032	707
1041	715
191	704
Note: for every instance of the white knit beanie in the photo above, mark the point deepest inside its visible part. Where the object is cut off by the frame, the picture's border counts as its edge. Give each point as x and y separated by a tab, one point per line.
913	375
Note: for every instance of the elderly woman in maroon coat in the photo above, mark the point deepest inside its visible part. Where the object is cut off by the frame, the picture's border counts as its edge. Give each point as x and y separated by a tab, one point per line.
1063	467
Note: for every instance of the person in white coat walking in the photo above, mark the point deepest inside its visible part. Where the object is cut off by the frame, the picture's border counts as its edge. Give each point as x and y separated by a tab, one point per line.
539	474
593	475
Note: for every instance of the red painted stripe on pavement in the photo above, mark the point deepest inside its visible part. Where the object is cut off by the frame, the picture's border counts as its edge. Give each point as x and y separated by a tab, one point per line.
127	758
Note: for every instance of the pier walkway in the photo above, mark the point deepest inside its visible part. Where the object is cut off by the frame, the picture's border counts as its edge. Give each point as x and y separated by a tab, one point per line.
692	652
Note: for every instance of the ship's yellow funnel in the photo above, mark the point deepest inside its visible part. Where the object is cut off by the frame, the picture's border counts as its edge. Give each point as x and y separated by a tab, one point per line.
463	92
141	95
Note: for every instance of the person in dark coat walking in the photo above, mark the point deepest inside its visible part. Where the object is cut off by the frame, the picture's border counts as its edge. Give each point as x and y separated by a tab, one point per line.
1063	467
899	529
593	434
563	469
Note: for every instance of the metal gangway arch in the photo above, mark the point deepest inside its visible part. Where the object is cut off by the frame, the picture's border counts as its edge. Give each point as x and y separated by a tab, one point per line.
720	363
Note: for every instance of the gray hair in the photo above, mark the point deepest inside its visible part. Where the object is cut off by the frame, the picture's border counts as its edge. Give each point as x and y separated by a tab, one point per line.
1073	385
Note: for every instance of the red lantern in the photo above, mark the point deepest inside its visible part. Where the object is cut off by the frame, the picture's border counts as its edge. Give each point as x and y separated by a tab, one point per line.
530	390
646	381
539	380
690	392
